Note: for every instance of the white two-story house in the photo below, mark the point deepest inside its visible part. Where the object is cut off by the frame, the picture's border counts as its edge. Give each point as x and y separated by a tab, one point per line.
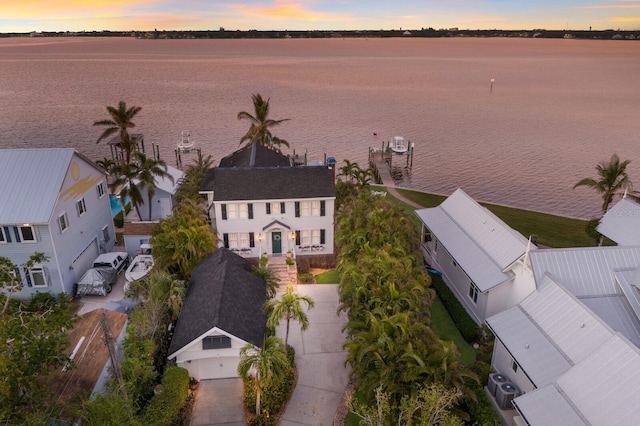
55	202
259	203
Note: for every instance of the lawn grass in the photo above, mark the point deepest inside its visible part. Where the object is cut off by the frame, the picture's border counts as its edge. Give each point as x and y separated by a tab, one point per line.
445	329
329	277
548	229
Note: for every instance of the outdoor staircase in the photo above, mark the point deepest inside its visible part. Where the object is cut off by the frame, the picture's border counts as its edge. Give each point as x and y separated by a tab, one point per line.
287	274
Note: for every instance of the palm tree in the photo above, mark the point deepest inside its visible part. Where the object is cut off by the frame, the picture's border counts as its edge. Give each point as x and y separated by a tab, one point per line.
612	178
268	275
120	121
147	170
263	365
288	307
137	175
260	129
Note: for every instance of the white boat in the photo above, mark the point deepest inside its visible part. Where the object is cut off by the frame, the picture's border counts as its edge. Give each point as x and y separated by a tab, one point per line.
186	144
398	145
140	266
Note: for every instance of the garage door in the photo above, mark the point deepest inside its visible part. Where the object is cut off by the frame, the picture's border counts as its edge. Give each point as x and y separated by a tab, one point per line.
85	259
213	368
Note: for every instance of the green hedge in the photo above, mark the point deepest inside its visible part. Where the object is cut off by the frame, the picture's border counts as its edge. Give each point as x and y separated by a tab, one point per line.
467	326
164	407
272	401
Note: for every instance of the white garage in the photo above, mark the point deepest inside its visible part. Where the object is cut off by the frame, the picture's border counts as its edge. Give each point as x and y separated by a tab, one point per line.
85	259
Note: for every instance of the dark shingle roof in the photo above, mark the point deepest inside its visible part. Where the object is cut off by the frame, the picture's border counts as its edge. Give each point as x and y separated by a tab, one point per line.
255	155
222	293
270	183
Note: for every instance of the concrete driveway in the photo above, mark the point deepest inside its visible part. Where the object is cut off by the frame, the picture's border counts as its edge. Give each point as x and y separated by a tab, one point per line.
322	377
218	402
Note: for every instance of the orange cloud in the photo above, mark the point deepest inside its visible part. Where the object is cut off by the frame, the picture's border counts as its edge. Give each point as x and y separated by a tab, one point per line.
625	19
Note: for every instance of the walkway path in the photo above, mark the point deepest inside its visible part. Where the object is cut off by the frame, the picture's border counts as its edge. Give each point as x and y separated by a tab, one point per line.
322	376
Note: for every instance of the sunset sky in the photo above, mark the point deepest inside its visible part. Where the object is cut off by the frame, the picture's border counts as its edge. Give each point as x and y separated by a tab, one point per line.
123	15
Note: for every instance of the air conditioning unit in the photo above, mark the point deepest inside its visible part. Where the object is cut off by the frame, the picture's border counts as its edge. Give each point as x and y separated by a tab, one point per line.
495	380
505	393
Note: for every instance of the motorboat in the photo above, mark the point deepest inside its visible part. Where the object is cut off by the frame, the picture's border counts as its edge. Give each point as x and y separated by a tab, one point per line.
398	145
186	144
140	266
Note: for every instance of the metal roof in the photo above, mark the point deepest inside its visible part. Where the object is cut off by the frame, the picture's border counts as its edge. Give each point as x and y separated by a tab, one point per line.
605	387
586	271
30	182
622	223
482	244
616	312
547	406
549	332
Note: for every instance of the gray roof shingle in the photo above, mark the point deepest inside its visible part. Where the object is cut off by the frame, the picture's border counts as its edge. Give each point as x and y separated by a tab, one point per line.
269	183
223	293
255	155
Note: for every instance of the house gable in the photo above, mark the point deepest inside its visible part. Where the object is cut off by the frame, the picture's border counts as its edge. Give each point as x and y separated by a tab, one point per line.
483	245
622	223
222	294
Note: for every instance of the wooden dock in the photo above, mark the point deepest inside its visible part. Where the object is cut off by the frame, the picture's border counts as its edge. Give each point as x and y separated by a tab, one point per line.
379	162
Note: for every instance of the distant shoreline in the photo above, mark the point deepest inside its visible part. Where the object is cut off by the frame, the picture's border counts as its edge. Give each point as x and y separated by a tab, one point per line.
608	34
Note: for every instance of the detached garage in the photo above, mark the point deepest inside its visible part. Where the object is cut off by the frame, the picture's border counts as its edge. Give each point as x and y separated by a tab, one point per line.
221	313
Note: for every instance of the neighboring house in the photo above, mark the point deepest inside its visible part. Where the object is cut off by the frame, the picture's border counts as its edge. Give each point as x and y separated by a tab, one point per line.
56	203
135	234
90	366
163	200
481	258
222	312
259	203
558	363
621	223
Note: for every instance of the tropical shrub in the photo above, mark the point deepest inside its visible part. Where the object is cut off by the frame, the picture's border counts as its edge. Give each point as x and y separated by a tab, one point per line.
164	407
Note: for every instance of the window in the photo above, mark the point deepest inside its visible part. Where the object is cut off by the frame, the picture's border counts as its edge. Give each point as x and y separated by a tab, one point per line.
473	292
27	234
237	211
514	366
305	237
275	208
315	208
100	189
105	234
216	342
454	263
81	207
37	276
244	239
305	208
63	222
315	236
3	237
427	236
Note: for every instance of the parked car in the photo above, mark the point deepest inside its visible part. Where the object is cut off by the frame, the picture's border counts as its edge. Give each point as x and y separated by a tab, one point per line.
97	282
118	260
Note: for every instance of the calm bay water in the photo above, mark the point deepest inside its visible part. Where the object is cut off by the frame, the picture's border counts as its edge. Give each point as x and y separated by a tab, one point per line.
556	109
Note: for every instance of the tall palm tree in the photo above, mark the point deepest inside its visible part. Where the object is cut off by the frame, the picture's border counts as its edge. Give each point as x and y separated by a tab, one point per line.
263	365
611	180
139	174
260	129
289	307
120	121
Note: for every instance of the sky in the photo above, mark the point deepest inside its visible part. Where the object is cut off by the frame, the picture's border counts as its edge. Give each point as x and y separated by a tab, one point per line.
145	15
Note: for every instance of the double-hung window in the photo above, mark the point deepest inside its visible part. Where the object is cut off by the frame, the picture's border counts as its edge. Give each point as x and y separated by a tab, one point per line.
81	207
37	276
100	189
63	222
3	237
27	234
473	292
315	208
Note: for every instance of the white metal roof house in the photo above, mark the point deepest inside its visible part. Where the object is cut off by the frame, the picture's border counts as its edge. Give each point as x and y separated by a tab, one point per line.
479	255
163	200
259	203
621	223
56	202
221	313
559	363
